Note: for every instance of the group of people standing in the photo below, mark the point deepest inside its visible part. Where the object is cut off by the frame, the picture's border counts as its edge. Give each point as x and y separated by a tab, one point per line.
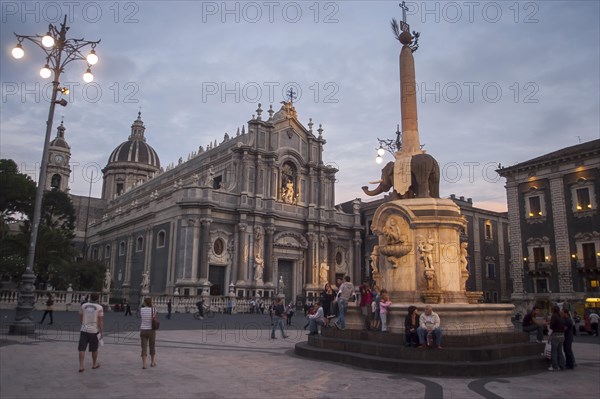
560	335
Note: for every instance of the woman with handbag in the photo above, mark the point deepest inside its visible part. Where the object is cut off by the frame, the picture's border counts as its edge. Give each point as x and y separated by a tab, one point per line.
148	329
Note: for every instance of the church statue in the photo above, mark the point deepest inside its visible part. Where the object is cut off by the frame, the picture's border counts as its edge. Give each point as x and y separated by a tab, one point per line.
281	284
259	266
145	285
287	192
211	177
323	274
107	279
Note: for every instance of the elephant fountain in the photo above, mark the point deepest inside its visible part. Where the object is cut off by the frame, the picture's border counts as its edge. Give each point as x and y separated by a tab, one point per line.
425	178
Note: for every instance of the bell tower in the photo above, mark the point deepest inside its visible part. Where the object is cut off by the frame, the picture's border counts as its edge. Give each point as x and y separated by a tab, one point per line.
59	155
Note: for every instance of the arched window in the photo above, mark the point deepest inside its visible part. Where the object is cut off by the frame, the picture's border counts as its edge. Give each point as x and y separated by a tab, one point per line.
107	251
139	244
122	248
55	182
160	239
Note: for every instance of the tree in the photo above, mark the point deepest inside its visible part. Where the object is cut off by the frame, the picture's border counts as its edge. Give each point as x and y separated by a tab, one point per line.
17	192
54	251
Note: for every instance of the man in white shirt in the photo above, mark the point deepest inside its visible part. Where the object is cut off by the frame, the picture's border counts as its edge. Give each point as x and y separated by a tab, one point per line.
316	320
594	319
91	316
429	323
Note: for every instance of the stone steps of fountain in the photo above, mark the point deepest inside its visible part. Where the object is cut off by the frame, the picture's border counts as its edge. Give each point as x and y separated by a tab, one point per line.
481	356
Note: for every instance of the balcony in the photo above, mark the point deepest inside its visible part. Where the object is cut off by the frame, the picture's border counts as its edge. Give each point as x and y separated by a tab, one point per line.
540	267
587	267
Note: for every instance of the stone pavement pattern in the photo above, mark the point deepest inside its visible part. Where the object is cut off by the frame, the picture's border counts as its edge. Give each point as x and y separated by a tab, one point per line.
211	363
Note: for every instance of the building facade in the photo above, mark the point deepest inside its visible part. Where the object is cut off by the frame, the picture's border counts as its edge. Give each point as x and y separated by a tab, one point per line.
253	214
555	225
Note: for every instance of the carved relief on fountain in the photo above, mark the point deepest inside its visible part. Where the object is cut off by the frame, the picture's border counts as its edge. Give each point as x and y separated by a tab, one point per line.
395	240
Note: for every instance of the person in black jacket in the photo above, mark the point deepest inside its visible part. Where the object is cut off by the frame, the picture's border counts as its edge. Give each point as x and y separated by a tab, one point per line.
411	322
557	338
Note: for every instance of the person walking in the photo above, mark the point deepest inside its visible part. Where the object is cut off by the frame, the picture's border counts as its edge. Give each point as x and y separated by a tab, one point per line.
594	320
278	316
127	309
49	309
91	316
147	334
289	311
169	308
345	292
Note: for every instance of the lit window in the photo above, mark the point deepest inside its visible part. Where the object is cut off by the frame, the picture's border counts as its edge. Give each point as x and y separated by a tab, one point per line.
594	284
535	207
583	199
539	255
488	230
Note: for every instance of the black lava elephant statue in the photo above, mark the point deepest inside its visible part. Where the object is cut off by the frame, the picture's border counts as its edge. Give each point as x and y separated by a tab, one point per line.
425	178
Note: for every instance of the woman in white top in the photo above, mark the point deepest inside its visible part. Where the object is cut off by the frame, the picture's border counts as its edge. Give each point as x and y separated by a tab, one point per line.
147	334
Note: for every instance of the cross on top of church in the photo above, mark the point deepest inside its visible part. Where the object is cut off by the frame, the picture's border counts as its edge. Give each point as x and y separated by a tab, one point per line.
403	24
291	95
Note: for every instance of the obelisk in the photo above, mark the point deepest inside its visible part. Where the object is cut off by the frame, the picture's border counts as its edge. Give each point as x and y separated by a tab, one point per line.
408	106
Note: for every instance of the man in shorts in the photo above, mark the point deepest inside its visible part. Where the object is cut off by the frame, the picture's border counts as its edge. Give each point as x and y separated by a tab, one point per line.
91	316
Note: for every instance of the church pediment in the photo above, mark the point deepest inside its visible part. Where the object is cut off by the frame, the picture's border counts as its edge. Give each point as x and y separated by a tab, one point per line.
290	240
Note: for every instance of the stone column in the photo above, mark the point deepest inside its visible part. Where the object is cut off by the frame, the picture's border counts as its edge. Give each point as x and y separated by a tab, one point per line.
268	258
242	254
501	264
479	270
516	246
356	258
193	226
127	274
311	263
148	255
561	236
204	249
331	256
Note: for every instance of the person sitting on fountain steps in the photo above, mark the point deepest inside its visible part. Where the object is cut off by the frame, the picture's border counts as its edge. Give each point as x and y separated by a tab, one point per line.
531	322
429	329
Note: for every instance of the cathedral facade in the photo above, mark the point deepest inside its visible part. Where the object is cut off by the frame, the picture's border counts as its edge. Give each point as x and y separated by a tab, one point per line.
254	215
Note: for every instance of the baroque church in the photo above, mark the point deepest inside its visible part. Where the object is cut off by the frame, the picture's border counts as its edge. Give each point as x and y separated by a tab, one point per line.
253	215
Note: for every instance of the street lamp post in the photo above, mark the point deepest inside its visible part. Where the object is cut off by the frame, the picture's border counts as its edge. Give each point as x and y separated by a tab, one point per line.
59	51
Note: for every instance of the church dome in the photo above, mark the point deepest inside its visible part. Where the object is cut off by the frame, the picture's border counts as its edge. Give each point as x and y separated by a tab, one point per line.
135	149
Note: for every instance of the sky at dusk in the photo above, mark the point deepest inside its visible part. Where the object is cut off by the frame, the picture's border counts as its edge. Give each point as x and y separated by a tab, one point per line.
497	82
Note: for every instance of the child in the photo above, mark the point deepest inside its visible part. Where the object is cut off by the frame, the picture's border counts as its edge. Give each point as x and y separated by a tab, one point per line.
384	304
311	311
